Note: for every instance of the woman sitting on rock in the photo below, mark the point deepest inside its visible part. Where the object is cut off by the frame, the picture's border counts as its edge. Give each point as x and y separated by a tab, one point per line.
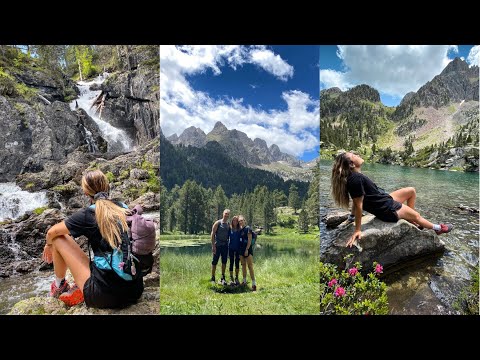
95	281
348	179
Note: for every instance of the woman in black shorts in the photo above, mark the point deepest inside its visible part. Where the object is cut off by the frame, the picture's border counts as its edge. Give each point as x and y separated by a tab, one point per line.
101	282
348	179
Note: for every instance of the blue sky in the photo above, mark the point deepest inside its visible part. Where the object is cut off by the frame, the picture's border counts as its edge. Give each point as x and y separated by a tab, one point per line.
392	70
270	92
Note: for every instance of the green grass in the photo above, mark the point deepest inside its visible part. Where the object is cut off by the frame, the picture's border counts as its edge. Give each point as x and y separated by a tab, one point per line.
285	269
40	210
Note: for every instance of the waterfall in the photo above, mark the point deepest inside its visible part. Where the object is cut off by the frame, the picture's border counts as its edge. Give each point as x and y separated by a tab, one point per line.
15	202
117	139
92	145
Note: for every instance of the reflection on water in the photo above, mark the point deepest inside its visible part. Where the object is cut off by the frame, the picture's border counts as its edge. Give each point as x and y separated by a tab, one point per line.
20	287
439	193
262	249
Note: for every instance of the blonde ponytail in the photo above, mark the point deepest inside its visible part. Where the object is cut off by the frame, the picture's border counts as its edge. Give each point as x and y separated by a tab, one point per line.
111	218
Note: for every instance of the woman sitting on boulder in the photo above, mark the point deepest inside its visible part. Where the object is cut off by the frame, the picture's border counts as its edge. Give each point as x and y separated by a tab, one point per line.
348	179
95	281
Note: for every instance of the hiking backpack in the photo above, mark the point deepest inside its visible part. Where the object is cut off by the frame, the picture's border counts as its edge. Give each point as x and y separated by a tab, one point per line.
254	236
137	245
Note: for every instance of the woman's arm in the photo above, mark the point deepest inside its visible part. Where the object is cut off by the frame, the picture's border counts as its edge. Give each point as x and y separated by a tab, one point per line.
358	206
249	243
55	231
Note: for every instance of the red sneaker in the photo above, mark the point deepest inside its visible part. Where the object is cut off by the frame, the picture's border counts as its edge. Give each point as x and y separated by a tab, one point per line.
254	287
73	297
444	228
56	291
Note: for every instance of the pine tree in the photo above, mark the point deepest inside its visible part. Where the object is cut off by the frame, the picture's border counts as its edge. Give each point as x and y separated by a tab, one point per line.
293	198
313	198
268	213
303	222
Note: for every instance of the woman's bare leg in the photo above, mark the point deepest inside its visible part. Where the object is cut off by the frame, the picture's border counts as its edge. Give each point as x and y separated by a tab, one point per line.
68	254
408	194
250	267
244	266
407	213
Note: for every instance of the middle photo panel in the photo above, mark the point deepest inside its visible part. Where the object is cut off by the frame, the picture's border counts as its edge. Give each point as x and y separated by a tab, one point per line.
239	149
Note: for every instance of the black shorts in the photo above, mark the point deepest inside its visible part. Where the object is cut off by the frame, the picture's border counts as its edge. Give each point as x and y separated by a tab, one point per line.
223	251
243	248
390	215
105	289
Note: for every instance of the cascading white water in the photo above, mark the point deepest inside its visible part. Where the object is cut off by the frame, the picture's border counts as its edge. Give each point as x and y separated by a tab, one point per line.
92	145
15	202
117	139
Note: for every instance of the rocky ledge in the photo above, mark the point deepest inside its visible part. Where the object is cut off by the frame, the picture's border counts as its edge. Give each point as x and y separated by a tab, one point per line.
394	245
148	304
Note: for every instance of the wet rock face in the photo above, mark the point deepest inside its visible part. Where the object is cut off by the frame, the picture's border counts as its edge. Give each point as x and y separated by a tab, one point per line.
22	241
393	245
36	134
132	103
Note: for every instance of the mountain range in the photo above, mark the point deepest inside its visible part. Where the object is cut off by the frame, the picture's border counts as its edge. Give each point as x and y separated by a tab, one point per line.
442	113
251	153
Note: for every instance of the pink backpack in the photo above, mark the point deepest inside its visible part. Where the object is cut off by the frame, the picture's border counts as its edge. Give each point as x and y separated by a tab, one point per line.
141	232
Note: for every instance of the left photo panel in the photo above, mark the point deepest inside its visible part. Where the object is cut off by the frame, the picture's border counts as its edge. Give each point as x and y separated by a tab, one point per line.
79	179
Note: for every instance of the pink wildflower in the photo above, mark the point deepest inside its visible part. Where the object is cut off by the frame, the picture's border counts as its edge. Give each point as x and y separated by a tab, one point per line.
332	282
379	269
339	292
353	271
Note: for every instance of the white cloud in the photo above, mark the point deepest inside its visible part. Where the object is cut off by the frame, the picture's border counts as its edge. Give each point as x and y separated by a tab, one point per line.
182	106
271	63
331	78
392	69
474	56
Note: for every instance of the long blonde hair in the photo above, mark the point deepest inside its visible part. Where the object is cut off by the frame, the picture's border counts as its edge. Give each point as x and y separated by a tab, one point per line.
107	214
341	169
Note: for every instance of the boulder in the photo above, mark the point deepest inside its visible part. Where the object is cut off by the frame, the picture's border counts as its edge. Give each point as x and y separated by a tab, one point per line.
148	304
335	218
393	245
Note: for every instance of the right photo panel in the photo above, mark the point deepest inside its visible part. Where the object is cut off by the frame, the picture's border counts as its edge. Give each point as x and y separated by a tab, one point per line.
399	181
239	148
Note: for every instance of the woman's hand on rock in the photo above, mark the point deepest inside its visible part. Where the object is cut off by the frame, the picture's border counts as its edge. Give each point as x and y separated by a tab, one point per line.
356	235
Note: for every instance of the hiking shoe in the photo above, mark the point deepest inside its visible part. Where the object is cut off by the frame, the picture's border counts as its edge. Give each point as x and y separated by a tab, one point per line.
444	228
72	297
212	280
244	283
254	287
232	283
237	282
56	291
223	281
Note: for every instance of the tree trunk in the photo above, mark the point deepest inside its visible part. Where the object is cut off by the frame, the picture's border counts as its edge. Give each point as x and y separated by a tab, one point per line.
80	69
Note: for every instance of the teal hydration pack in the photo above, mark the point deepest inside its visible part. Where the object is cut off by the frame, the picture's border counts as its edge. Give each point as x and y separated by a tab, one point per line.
134	257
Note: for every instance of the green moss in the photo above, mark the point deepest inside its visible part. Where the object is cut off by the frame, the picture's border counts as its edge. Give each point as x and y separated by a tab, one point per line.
456	168
29	185
24	91
125	174
110	177
20	108
40	210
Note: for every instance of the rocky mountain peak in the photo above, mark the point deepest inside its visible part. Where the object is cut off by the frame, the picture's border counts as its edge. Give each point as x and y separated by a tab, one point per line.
456	65
219	128
260	143
363	92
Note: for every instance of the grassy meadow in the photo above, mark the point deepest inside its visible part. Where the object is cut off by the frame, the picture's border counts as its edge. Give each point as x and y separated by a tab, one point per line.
286	272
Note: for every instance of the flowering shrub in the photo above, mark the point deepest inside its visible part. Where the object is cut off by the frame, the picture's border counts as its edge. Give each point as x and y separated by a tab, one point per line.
348	292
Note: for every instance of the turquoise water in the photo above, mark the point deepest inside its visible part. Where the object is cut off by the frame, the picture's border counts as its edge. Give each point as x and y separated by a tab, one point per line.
430	287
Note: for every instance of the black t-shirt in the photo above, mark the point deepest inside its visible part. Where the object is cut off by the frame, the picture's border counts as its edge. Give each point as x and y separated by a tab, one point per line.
244	235
375	199
83	223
